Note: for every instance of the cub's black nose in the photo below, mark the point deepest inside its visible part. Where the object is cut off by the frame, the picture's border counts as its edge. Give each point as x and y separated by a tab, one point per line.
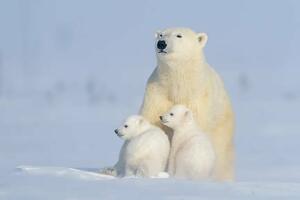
161	44
160	117
116	131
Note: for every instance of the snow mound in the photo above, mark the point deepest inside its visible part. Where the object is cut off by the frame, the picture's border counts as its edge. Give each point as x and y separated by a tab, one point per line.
63	172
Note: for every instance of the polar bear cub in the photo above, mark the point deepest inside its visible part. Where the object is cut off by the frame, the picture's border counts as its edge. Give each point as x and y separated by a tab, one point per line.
145	150
192	155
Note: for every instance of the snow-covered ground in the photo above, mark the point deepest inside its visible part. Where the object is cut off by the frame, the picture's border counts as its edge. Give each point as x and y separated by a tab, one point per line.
64	88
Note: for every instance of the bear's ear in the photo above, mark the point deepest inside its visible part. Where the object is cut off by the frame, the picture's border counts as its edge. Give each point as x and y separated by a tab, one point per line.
141	121
157	33
202	39
188	115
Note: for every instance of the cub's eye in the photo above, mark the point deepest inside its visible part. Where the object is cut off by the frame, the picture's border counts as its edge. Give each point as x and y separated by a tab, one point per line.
160	35
126	126
171	114
179	36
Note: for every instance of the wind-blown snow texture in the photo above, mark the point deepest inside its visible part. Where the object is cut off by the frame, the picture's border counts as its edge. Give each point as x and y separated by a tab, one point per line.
71	71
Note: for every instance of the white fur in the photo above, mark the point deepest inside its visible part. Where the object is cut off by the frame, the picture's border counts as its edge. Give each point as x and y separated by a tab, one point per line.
183	76
145	150
192	155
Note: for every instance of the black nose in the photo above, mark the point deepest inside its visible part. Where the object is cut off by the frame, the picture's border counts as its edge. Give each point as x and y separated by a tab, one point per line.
116	131
161	44
160	117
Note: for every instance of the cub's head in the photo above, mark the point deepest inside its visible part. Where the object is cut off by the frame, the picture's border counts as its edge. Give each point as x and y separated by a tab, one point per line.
177	116
179	43
132	126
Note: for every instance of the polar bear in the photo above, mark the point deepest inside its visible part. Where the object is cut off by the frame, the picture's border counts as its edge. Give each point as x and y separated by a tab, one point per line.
183	76
145	150
192	155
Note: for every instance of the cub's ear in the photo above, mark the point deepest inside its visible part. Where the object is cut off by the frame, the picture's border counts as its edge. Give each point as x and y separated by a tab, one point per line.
157	33
202	39
188	115
141	121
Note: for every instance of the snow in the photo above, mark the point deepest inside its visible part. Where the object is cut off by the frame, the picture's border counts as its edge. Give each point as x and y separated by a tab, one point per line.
64	172
49	187
64	88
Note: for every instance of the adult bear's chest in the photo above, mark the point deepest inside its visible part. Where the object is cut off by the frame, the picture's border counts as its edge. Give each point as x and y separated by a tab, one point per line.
191	90
182	87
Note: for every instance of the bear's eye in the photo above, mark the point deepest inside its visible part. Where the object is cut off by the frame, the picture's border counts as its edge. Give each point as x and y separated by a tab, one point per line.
126	126
160	35
171	114
179	36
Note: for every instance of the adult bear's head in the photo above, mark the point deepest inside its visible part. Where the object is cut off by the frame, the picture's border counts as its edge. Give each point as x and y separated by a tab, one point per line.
179	44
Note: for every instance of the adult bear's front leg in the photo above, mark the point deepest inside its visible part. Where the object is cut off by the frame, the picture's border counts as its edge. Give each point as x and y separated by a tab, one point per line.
155	104
222	138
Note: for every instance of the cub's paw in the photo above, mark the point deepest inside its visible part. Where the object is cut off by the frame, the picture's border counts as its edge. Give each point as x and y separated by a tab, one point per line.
108	171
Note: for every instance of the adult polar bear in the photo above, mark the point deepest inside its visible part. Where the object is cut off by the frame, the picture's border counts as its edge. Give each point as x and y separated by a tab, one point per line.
183	76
